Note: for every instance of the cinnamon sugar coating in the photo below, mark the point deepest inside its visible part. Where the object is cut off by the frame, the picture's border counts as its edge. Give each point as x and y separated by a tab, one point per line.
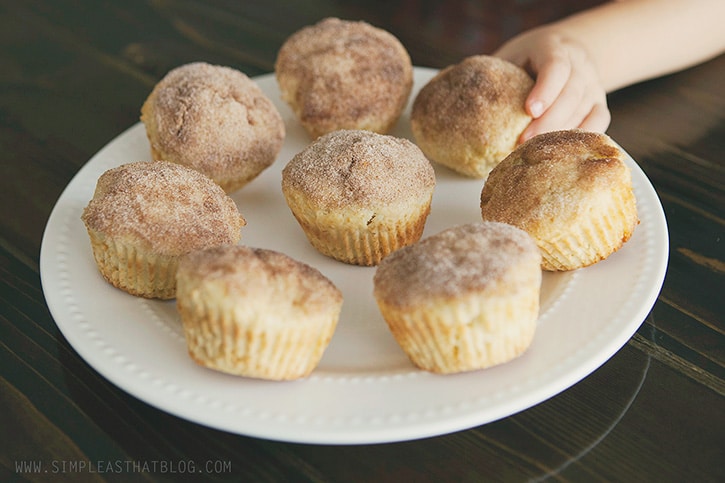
340	74
471	114
359	195
357	167
473	258
261	276
571	190
463	299
162	207
255	312
213	119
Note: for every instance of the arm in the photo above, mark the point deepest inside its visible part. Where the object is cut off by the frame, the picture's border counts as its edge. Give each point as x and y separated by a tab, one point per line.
577	60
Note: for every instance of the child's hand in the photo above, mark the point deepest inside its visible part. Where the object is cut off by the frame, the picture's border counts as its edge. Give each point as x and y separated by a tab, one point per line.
567	93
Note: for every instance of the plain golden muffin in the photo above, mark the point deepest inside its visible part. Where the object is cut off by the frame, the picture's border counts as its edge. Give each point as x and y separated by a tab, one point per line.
571	191
144	216
254	312
359	195
471	114
340	74
214	119
463	299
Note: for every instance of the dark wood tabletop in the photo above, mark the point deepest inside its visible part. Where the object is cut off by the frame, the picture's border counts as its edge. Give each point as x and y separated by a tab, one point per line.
73	75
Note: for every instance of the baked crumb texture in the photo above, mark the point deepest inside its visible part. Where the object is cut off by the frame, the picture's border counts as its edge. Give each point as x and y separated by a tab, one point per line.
254	312
466	298
213	119
571	191
471	114
340	74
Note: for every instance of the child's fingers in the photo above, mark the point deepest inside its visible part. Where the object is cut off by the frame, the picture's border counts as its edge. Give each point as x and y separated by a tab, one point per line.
566	112
598	118
552	75
590	117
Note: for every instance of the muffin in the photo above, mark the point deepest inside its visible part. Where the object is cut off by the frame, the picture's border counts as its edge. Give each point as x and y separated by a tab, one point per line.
359	195
255	312
466	298
471	115
340	74
571	191
143	216
213	119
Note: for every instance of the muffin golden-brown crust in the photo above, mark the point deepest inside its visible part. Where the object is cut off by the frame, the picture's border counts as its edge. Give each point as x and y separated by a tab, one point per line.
359	195
463	299
340	74
255	312
144	215
213	119
571	190
471	114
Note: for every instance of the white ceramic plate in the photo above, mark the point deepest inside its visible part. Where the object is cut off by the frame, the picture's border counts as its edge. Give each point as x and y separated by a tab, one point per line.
365	390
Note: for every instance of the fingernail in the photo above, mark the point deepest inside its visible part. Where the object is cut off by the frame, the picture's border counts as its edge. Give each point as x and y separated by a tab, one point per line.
536	109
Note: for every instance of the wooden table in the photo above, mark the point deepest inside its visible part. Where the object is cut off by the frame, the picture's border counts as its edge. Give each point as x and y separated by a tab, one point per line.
73	75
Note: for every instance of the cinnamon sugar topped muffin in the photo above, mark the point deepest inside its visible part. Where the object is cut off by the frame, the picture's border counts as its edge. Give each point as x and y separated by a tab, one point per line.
471	114
359	195
214	119
340	74
571	190
143	216
465	298
255	312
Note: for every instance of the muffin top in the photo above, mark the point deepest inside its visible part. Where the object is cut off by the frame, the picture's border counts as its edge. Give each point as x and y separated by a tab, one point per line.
214	119
255	276
356	167
168	208
553	178
471	114
455	262
479	88
342	74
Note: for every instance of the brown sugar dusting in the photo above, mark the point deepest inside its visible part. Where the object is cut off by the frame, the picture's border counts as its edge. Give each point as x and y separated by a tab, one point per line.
454	262
359	167
167	207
